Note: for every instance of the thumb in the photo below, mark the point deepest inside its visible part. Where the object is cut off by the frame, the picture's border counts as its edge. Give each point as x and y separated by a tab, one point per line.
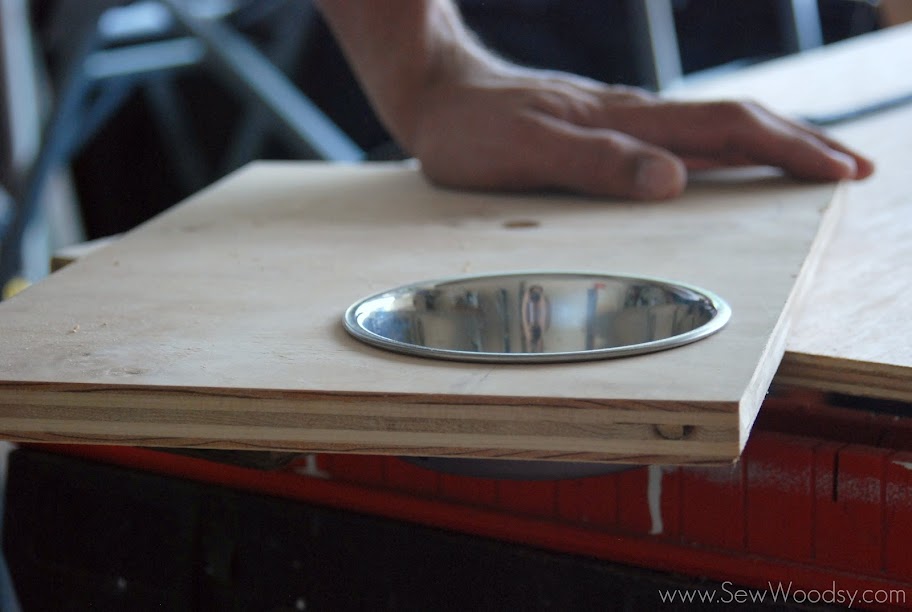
604	162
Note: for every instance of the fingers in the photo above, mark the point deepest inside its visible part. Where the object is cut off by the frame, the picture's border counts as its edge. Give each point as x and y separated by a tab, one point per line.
799	150
600	162
864	166
734	133
536	150
549	131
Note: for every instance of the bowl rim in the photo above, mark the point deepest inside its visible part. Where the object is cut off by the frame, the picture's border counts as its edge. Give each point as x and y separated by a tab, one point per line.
723	313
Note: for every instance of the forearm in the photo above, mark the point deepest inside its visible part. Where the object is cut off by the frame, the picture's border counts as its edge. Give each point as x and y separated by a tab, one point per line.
475	121
399	49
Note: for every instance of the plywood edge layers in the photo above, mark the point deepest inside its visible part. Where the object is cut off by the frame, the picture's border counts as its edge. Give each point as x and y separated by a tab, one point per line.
556	429
772	356
861	378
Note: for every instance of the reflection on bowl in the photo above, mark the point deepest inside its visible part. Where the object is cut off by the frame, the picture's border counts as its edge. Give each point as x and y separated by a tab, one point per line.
537	317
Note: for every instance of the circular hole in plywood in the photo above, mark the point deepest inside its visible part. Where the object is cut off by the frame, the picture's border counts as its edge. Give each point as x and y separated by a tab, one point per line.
527	317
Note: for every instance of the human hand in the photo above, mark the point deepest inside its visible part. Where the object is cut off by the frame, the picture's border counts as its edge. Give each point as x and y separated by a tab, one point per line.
476	121
503	127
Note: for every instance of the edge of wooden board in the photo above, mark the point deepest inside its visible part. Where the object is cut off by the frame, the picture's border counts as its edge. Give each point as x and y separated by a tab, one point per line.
554	430
859	378
621	430
772	357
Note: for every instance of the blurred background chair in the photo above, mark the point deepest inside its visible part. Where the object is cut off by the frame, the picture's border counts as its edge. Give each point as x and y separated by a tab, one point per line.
108	50
659	54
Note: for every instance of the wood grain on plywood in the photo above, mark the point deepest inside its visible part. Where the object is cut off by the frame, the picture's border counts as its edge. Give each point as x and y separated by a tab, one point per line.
218	324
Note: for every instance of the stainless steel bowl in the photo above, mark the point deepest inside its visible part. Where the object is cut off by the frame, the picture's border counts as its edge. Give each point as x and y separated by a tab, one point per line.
531	317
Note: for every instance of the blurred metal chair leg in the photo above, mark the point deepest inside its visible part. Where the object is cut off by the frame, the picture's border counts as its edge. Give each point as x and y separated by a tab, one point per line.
800	25
20	119
306	127
658	53
111	49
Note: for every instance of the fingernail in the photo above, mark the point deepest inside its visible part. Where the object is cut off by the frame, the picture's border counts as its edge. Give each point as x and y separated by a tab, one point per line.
846	161
653	178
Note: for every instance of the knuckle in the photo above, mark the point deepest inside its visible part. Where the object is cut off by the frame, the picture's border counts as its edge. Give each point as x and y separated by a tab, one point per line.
524	126
735	111
543	100
625	93
574	107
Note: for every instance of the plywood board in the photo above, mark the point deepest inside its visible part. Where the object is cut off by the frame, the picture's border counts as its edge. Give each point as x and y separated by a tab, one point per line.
218	324
852	334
